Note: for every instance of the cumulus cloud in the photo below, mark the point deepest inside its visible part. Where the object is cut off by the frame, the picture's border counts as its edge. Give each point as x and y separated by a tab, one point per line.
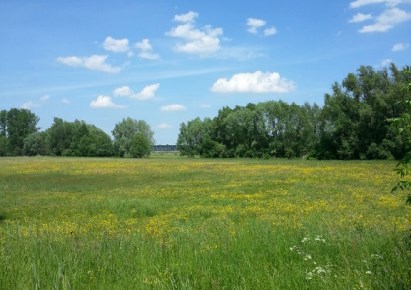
387	20
270	31
173	108
400	46
202	41
116	45
146	50
94	62
104	102
254	23
65	101
188	17
257	82
147	93
124	91
359	17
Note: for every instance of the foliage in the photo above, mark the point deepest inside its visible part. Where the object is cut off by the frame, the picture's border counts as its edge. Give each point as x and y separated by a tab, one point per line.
78	139
140	146
403	124
124	133
15	126
262	130
36	144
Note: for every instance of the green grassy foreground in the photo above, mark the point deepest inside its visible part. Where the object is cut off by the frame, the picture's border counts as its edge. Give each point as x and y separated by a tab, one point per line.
174	223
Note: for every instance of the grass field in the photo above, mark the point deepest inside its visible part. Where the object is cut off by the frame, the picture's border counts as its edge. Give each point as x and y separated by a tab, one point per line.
175	223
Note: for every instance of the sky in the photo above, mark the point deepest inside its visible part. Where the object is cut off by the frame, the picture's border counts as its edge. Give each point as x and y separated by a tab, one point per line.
170	61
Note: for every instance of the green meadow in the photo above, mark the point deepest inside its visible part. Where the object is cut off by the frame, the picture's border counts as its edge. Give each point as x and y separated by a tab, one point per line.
167	222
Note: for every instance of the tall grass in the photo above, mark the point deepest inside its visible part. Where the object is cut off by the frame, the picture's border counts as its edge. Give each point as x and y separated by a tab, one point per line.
171	223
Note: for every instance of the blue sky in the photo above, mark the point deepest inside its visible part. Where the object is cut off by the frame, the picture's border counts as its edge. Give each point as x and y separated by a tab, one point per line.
167	62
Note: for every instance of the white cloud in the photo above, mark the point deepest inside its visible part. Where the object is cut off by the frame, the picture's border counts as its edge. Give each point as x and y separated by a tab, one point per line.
359	17
254	23
164	126
45	98
65	101
94	62
257	82
188	17
387	20
361	3
116	45
147	93
146	50
270	31
173	108
124	91
104	102
202	41
400	46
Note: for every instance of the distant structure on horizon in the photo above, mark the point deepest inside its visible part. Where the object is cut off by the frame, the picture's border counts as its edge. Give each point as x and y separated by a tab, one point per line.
165	148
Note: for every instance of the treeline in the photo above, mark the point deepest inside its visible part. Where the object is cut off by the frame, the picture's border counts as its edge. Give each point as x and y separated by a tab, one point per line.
19	136
352	124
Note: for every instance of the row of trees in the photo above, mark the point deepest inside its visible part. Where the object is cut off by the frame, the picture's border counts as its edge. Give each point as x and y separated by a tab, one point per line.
19	135
352	124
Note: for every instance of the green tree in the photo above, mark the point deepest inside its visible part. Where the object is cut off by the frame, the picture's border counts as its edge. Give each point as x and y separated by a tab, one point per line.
59	137
124	132
140	146
20	124
35	144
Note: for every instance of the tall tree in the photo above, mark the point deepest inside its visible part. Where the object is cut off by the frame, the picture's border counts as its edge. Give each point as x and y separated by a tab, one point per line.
20	124
60	136
140	146
124	132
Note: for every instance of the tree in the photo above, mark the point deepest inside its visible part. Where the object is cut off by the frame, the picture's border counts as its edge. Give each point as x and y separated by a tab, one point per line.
78	139
20	124
124	132
140	146
59	137
35	144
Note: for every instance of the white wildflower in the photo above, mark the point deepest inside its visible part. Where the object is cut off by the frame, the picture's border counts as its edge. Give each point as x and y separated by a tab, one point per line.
307	257
305	239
